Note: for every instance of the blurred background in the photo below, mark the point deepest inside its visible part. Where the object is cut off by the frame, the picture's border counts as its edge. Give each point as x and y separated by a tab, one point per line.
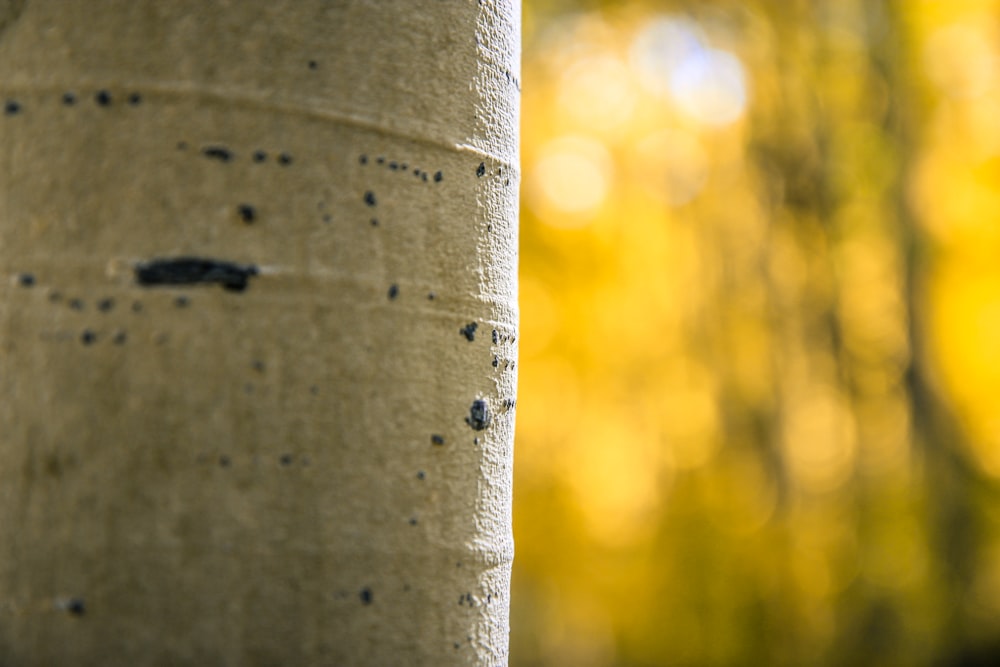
759	412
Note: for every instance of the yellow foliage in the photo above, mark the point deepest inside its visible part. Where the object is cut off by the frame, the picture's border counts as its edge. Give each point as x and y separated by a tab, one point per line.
761	334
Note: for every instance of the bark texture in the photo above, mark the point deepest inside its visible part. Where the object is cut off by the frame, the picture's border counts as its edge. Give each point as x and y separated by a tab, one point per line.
257	331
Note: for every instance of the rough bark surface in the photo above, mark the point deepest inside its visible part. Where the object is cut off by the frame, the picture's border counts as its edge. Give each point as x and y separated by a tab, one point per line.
257	331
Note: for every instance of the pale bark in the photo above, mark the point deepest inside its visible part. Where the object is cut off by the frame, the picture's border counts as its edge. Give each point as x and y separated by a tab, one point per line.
298	451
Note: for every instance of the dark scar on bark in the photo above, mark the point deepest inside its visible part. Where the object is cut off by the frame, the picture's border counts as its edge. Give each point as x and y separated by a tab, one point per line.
220	153
479	415
195	271
469	331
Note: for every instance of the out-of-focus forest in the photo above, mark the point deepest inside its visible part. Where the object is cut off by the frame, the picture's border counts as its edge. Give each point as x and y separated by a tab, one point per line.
759	413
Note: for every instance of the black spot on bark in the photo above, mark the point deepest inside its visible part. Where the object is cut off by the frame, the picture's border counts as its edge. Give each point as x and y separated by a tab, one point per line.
224	461
104	305
380	160
26	280
496	336
394	166
76	304
438	176
88	337
284	159
479	415
103	98
481	170
496	361
247	213
469	331
370	198
313	64
393	291
363	159
366	595
220	153
135	99
69	99
437	439
413	521
431	296
12	107
374	222
259	156
195	271
76	607
286	459
182	302
421	474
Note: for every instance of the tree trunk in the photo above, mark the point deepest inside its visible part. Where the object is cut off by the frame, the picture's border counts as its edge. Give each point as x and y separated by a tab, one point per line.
257	331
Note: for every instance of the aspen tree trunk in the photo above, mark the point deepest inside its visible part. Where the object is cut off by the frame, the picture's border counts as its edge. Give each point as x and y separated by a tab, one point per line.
257	331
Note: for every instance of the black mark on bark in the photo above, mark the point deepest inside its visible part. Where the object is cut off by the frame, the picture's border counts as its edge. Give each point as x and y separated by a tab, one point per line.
247	213
479	415
195	271
75	607
469	331
220	153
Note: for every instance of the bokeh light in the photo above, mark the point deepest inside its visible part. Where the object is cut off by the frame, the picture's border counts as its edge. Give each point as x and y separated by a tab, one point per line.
570	180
